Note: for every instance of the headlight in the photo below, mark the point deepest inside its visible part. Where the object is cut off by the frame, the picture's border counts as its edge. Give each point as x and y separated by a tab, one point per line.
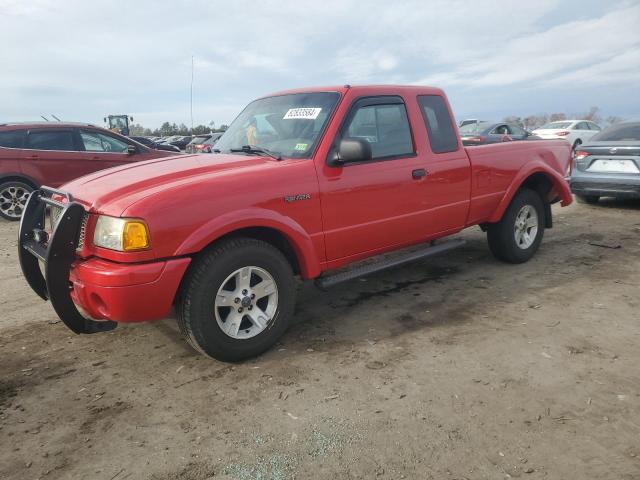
122	234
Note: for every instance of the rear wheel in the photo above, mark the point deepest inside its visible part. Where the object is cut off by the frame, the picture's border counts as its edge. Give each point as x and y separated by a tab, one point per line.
576	144
13	199
237	300
591	199
517	236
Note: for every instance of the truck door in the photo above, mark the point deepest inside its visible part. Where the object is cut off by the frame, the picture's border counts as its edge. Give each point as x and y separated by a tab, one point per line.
375	204
447	189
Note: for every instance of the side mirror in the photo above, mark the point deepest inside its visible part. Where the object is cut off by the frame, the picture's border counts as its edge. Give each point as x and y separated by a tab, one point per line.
352	150
131	119
131	149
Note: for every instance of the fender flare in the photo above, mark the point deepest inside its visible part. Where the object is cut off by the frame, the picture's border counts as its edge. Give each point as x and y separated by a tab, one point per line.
298	238
558	184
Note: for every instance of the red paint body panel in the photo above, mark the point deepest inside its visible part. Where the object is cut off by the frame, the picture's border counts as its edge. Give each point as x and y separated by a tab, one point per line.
353	211
127	293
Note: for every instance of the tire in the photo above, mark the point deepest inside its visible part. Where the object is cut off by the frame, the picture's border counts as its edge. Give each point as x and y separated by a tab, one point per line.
512	241
215	280
13	198
590	199
576	144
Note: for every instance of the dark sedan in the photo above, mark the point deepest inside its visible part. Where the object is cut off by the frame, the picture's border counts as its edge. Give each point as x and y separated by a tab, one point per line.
608	165
482	133
147	142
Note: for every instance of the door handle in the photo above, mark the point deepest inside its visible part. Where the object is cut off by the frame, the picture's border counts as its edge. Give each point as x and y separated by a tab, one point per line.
419	173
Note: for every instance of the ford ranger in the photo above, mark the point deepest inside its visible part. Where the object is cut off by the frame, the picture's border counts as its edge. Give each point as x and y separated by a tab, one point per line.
316	183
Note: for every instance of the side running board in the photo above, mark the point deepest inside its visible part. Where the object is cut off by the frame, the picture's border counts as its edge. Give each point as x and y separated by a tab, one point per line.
325	282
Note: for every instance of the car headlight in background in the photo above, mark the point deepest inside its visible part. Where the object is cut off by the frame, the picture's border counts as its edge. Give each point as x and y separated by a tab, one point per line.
122	234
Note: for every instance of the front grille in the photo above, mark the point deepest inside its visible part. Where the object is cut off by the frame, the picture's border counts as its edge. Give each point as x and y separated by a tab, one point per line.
83	228
54	217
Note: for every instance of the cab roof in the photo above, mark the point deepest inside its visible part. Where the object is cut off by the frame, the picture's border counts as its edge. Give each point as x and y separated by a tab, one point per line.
364	90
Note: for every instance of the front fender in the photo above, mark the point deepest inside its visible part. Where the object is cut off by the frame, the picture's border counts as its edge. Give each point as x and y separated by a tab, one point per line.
216	228
558	184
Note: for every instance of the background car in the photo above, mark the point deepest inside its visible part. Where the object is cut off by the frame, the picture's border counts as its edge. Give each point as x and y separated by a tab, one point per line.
608	165
148	142
48	153
180	141
482	133
573	131
203	143
468	121
197	143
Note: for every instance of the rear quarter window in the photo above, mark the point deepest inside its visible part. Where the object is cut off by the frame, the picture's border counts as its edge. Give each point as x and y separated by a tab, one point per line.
442	134
12	138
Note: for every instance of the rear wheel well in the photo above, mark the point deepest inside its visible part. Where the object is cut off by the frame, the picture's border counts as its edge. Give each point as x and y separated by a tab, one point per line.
542	184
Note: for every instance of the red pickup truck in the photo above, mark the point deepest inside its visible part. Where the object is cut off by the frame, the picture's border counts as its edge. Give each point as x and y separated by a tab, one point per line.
306	182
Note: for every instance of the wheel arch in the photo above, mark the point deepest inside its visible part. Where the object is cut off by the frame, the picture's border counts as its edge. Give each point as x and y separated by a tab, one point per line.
280	231
18	177
548	183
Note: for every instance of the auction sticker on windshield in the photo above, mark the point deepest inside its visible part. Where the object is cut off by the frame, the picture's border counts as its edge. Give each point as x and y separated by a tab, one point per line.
302	113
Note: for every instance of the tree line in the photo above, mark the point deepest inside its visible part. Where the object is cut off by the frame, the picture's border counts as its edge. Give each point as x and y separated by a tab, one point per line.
167	129
535	121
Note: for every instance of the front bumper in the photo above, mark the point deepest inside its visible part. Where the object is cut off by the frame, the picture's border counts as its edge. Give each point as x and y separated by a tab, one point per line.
89	295
106	290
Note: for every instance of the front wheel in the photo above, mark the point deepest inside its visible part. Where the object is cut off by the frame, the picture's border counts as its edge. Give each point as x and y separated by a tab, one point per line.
237	299
517	236
13	199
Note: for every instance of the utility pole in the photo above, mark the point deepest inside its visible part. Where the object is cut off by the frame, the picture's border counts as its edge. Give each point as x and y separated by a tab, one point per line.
191	94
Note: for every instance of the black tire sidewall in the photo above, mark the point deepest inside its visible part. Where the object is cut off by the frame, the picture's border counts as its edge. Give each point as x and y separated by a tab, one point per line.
203	287
16	183
501	236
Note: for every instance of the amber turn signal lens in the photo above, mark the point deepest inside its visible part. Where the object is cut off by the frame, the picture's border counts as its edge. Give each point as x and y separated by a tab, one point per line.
135	236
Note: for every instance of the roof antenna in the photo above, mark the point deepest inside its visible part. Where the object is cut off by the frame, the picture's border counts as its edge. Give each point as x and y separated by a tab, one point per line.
56	117
45	118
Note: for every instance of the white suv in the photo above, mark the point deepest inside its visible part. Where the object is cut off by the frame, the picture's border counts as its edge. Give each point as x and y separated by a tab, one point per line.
573	131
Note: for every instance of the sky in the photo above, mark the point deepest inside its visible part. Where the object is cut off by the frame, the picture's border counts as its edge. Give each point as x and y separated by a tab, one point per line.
81	60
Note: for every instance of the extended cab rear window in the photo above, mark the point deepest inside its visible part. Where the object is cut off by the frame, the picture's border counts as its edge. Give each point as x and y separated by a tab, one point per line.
442	134
11	138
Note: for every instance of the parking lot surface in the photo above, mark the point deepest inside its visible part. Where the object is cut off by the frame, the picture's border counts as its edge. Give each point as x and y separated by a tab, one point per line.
458	367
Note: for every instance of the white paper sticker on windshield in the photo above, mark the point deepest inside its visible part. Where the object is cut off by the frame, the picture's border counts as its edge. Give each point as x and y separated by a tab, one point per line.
305	113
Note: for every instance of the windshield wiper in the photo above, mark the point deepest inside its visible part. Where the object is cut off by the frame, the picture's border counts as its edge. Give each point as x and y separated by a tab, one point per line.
257	150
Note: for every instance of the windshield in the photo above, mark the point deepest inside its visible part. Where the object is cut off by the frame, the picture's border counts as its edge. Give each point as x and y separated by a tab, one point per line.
554	125
619	133
473	127
288	125
198	140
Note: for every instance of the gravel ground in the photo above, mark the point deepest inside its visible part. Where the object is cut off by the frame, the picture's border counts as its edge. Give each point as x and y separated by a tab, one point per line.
455	368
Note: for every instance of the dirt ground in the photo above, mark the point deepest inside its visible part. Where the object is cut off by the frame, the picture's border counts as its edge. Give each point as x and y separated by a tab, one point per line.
454	368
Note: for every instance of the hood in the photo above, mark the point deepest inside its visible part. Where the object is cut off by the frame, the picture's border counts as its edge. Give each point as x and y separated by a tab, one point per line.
112	190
